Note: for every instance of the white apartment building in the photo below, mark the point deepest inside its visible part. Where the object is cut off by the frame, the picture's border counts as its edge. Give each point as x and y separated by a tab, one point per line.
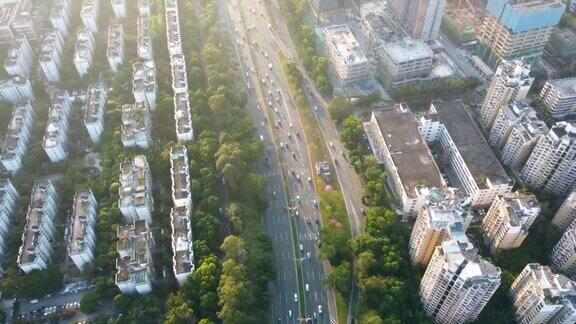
135	270
37	244
94	110
563	255
119	8
24	24
89	14
180	175
552	163
179	75
463	148
115	46
19	58
508	220
510	114
348	60
16	89
183	118
55	141
50	58
60	16
82	231
541	296
136	201
511	81
144	86
83	51
405	61
15	19
435	224
17	137
173	28
144	7
559	97
393	135
521	141
145	51
458	283
8	198
136	126
182	248
566	214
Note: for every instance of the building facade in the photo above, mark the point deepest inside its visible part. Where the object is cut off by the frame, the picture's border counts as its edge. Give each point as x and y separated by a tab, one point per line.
345	55
119	8
559	97
50	58
82	231
136	126
134	264
521	141
17	137
83	51
136	201
55	142
94	111
509	115
419	18
144	86
115	47
405	61
563	255
16	89
19	58
566	214
89	14
60	16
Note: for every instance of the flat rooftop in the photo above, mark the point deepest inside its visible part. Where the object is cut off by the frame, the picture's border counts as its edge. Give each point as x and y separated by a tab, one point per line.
115	41
22	115
345	44
134	122
470	142
409	151
566	87
179	172
95	101
38	210
83	216
57	125
182	113
407	49
182	240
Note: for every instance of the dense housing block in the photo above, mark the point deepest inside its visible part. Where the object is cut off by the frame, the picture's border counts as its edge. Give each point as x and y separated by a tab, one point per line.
82	231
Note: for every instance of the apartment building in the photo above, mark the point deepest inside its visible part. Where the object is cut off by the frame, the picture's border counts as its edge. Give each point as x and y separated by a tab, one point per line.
435	224
119	8
510	114
508	220
83	51
8	199
396	142
37	244
144	86
135	270
182	248
144	7
450	128
136	201
180	175
94	110
559	97
542	296
179	75
173	28
89	14
566	214
136	126
11	11
406	61
55	141
115	46
521	141
458	283
552	165
145	51
17	136
16	89
50	58
563	255
82	230
325	9
19	58
345	55
517	29
183	118
419	18
60	16
511	81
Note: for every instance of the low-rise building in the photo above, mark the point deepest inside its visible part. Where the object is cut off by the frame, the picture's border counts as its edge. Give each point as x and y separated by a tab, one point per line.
60	16
144	7
173	28
19	58
144	86
179	75
136	201
136	126
94	111
16	89
396	142
83	51
119	8
183	117
144	39
17	137
563	255
55	141
82	232
348	60
521	141
566	214
510	114
541	296
89	14
559	97
36	250
135	270
449	126
405	61
8	199
115	47
50	58
180	175
508	220
182	248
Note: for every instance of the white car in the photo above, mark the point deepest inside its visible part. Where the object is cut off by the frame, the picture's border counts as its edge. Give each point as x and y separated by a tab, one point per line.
307	287
262	138
295	297
289	313
319	309
308	255
262	124
301	247
316	108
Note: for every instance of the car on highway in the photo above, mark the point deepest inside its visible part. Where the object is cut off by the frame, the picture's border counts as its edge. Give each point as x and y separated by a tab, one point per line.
319	309
307	287
295	297
262	137
301	247
261	124
308	255
316	108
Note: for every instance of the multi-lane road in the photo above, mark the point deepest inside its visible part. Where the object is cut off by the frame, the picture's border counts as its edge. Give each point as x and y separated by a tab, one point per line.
292	220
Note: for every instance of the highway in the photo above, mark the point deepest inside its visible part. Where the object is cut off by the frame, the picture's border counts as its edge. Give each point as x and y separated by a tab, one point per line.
292	219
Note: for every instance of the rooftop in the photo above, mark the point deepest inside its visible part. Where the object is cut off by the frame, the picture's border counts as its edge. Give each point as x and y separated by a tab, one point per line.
548	284
51	44
58	9
521	208
144	40
133	245
57	124
345	43
179	172
179	76
407	49
83	216
135	125
84	45
566	88
144	76
476	268
95	102
182	113
89	8
183	258
173	28
8	10
470	142
22	114
15	50
134	181
115	44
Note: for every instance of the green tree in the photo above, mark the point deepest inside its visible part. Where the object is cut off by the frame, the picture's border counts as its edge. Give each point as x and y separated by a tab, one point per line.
90	302
340	278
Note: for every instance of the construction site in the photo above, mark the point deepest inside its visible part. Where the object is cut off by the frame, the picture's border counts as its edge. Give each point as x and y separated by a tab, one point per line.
462	18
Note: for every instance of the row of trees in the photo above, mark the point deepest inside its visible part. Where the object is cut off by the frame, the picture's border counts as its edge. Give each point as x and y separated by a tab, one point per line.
425	93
